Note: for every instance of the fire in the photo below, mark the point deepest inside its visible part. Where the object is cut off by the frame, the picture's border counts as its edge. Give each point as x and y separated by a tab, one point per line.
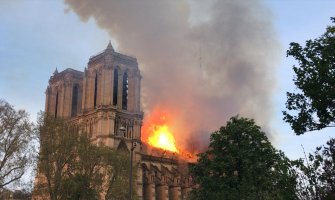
162	129
162	138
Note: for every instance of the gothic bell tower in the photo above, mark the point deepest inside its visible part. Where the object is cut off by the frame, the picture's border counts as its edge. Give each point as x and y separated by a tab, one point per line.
104	100
111	98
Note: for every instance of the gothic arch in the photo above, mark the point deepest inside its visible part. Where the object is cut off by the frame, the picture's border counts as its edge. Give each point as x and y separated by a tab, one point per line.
122	146
125	91
56	102
115	85
75	100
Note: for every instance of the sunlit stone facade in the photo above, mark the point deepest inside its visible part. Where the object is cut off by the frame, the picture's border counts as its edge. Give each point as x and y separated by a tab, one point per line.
104	101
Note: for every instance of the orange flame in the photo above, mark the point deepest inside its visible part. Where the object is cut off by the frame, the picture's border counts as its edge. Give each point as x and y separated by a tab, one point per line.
159	130
162	138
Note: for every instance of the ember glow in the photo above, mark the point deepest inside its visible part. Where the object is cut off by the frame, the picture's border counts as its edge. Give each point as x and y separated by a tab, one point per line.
162	138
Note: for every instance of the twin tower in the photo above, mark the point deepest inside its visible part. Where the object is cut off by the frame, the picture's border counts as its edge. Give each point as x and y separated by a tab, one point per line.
104	100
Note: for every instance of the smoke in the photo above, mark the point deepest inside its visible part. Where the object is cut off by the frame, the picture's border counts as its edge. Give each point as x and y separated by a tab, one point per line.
202	61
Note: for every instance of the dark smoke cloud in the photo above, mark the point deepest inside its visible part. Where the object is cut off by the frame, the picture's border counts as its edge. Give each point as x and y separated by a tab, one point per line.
234	38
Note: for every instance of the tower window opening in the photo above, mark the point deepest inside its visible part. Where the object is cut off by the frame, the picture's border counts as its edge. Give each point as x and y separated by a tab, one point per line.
115	86
95	90
74	100
56	104
125	91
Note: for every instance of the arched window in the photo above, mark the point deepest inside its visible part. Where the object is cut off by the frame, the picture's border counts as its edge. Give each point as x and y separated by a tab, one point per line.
56	104
74	100
122	146
115	87
125	91
95	90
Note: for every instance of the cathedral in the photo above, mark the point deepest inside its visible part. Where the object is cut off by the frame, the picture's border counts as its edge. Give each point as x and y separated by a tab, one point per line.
104	101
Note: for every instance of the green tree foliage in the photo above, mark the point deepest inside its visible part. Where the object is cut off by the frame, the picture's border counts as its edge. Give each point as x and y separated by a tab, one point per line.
72	167
78	186
16	143
57	150
314	102
118	183
316	178
241	163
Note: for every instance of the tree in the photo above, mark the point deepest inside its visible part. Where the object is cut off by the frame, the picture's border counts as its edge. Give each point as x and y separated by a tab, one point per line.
69	165
85	173
314	102
118	173
316	176
57	150
16	148
72	167
98	170
241	163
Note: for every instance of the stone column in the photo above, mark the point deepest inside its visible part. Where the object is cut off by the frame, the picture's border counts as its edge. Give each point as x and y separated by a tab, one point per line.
83	97
166	192
131	92
184	192
153	191
80	97
61	99
112	86
107	97
174	193
137	92
99	86
90	91
139	176
149	191
92	88
146	191
102	87
162	192
179	192
67	105
111	125
137	129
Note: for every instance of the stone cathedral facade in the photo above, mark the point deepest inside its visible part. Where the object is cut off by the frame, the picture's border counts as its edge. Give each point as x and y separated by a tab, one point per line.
104	101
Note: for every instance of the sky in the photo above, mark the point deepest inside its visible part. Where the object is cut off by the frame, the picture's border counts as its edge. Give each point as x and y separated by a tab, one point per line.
39	36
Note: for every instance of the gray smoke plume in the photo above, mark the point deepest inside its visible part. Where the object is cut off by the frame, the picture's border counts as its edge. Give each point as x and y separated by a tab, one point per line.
204	61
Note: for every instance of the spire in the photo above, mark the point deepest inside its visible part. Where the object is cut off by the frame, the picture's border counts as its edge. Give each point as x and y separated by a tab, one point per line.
56	71
109	46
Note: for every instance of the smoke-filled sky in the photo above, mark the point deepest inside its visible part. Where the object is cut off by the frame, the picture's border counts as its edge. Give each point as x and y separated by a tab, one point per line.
202	61
236	42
